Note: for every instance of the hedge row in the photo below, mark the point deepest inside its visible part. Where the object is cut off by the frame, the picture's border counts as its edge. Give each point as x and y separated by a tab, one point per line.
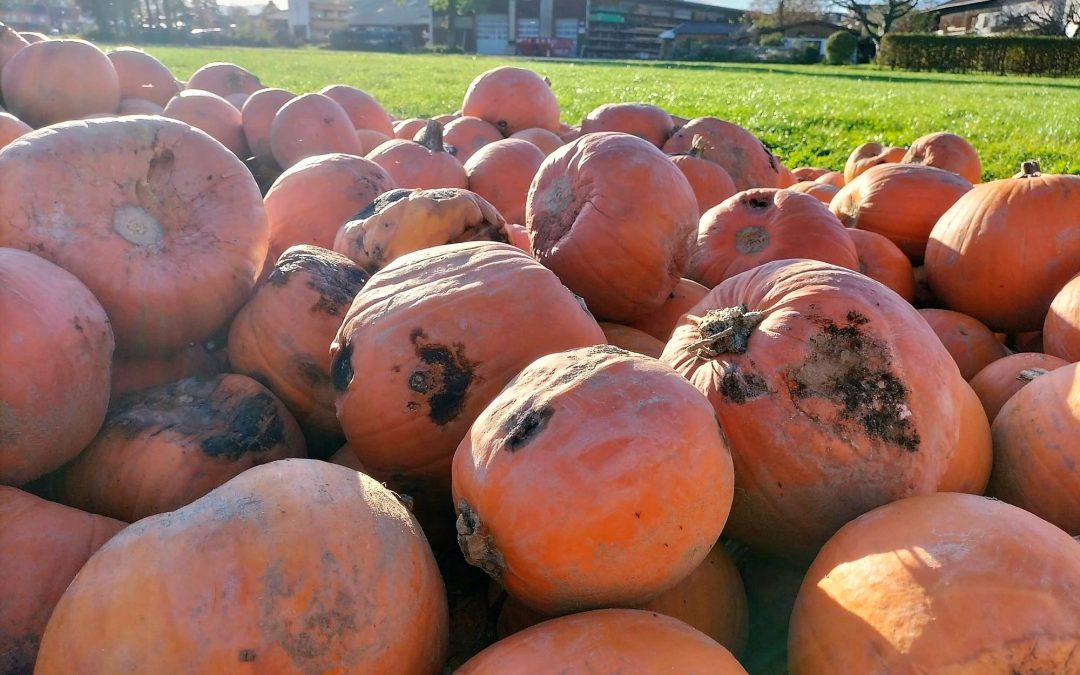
1054	56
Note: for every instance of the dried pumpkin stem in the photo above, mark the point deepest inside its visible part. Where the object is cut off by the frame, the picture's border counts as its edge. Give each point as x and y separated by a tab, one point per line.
1030	168
725	331
698	146
477	544
432	138
1030	374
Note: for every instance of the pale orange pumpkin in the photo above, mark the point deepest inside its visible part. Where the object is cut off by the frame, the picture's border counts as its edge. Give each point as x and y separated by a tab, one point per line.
746	159
660	323
363	110
1061	328
59	80
425	164
467	135
224	79
512	99
969	466
142	76
632	339
210	113
547	141
311	125
501	172
971	344
640	119
999	380
823	192
257	116
12	127
710	182
883	261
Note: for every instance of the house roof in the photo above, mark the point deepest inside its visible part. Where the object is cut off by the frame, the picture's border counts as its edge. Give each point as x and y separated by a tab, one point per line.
801	24
390	13
957	4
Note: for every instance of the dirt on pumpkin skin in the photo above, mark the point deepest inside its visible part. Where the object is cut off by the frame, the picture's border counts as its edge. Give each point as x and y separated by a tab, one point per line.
337	281
444	377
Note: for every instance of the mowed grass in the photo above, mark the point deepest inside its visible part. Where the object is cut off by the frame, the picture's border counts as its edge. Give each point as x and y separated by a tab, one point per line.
808	115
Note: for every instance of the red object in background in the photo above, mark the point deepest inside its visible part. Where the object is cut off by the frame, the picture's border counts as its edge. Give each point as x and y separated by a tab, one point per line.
536	46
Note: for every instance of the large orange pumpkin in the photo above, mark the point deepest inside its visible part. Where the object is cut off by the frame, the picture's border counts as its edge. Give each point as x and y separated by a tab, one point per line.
310	202
899	201
746	159
660	323
710	182
142	76
212	114
311	125
757	226
643	120
869	155
971	344
12	127
402	221
162	224
946	151
501	172
59	80
942	583
605	641
512	99
43	546
998	381
615	219
55	354
1004	249
1061	328
834	393
643	420
293	566
883	261
282	336
969	466
224	79
467	135
163	448
425	164
1036	454
363	110
430	341
257	116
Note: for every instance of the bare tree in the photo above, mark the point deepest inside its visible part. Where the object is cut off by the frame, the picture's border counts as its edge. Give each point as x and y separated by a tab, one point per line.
1044	17
878	18
786	12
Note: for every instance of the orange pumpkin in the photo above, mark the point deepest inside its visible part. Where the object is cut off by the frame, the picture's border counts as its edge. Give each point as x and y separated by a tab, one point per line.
224	79
999	380
257	116
833	178
899	201
43	546
467	135
519	237
969	466
643	420
402	221
746	159
142	76
869	155
165	447
805	174
55	352
423	349
547	141
883	261
942	583
425	164
139	106
311	125
266	573
643	120
711	184
170	254
1061	328
212	114
615	219
710	599
946	151
363	110
501	173
823	192
512	99
569	134
632	339
757	226
11	41
971	344
12	127
282	336
660	323
1004	249
834	393
59	80
605	641
369	140
406	129
1036	456
310	202
135	373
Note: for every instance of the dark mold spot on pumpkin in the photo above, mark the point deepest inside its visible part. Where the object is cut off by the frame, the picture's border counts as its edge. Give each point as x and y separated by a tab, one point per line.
247	655
852	368
334	277
254	426
758	203
525	425
739	386
341	371
311	374
161	162
380	203
446	375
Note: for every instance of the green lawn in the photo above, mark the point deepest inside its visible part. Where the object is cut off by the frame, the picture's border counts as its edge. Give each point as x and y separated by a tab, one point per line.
810	115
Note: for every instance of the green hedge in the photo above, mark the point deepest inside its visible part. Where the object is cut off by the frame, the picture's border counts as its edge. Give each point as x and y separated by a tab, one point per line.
1058	57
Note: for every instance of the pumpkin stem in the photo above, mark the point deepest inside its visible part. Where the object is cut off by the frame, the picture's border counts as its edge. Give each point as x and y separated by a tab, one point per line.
1029	169
725	331
477	544
432	138
698	146
1030	374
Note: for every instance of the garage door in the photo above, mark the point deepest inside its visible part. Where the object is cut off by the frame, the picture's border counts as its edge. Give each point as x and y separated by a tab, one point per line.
492	33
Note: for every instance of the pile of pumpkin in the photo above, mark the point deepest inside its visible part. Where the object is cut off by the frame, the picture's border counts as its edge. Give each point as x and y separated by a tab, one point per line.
492	393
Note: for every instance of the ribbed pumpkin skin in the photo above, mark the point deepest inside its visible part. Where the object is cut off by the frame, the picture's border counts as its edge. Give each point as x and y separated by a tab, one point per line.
944	583
969	467
900	201
843	399
971	344
56	351
946	151
644	420
615	219
424	349
869	155
997	382
759	226
643	120
169	254
512	99
293	566
746	159
282	336
606	641
43	546
1036	454
660	323
1005	248
163	448
1061	328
